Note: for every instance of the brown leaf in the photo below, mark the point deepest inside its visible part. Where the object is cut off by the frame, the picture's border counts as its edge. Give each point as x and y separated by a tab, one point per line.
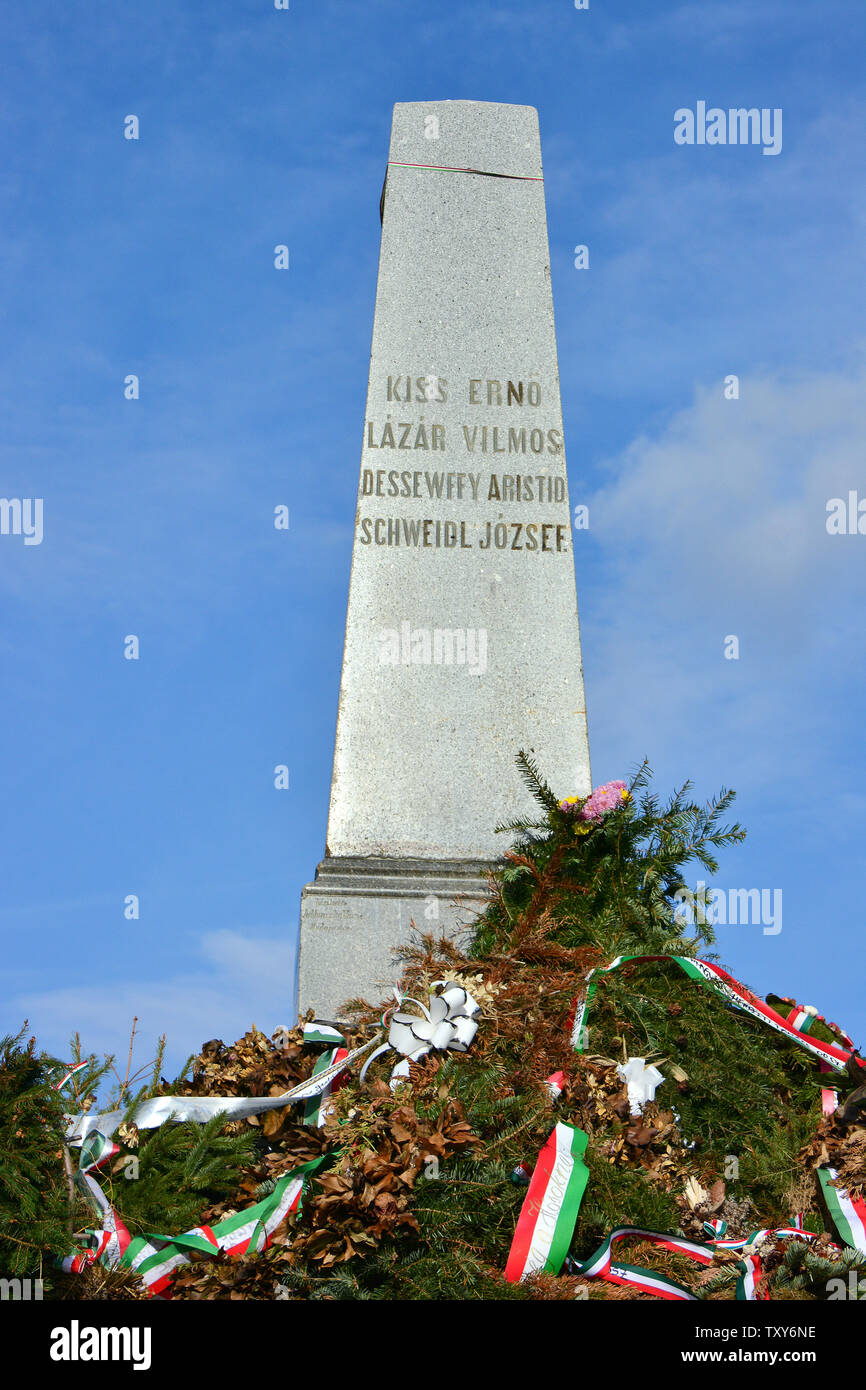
640	1134
273	1122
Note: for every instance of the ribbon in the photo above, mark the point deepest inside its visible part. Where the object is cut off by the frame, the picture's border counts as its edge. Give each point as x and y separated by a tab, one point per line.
848	1213
730	989
805	1018
555	1084
58	1085
155	1258
549	1211
153	1113
600	1265
320	1031
642	1082
548	1216
748	1283
449	1024
316	1109
112	1239
716	1232
751	1265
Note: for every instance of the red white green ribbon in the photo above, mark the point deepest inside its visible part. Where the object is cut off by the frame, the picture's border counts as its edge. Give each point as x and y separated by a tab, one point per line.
601	1264
96	1151
751	1265
801	1019
804	1019
320	1031
109	1243
749	1281
156	1257
58	1085
848	1213
549	1212
742	1242
316	1108
730	989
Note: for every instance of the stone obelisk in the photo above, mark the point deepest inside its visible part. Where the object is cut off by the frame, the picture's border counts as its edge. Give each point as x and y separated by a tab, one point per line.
462	641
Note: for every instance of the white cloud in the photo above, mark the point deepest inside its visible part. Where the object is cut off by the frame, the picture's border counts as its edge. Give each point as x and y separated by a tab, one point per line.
243	979
716	526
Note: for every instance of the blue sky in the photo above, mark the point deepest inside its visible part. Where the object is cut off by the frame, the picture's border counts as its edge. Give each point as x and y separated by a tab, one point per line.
707	516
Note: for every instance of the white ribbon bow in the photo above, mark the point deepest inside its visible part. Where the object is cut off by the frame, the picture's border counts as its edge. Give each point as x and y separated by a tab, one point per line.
449	1024
642	1082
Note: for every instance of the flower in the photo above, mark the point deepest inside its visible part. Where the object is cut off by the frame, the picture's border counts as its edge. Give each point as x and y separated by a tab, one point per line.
603	799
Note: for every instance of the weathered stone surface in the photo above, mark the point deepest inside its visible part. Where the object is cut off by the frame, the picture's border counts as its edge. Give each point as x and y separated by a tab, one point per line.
357	910
462	642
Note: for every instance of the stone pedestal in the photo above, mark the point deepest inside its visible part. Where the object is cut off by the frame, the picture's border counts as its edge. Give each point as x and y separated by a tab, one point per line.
357	909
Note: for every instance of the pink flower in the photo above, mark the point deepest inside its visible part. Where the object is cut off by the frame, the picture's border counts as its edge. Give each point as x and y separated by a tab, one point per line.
604	799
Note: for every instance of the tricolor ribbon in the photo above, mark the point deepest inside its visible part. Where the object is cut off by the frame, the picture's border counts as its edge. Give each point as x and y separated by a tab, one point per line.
549	1212
58	1085
316	1108
109	1243
806	1016
156	1257
731	990
848	1213
601	1265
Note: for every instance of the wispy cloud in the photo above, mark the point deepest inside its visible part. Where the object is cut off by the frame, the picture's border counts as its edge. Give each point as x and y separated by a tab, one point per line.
715	526
244	978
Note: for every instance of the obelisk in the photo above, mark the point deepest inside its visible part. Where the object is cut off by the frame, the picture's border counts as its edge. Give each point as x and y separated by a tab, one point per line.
462	641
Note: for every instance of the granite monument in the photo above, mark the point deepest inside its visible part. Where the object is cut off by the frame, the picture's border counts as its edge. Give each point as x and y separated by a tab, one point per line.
462	642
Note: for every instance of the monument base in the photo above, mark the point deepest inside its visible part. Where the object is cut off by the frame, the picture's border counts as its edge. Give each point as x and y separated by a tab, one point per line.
357	909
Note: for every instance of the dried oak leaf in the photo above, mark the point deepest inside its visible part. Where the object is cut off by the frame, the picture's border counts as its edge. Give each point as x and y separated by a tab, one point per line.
717	1194
640	1134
